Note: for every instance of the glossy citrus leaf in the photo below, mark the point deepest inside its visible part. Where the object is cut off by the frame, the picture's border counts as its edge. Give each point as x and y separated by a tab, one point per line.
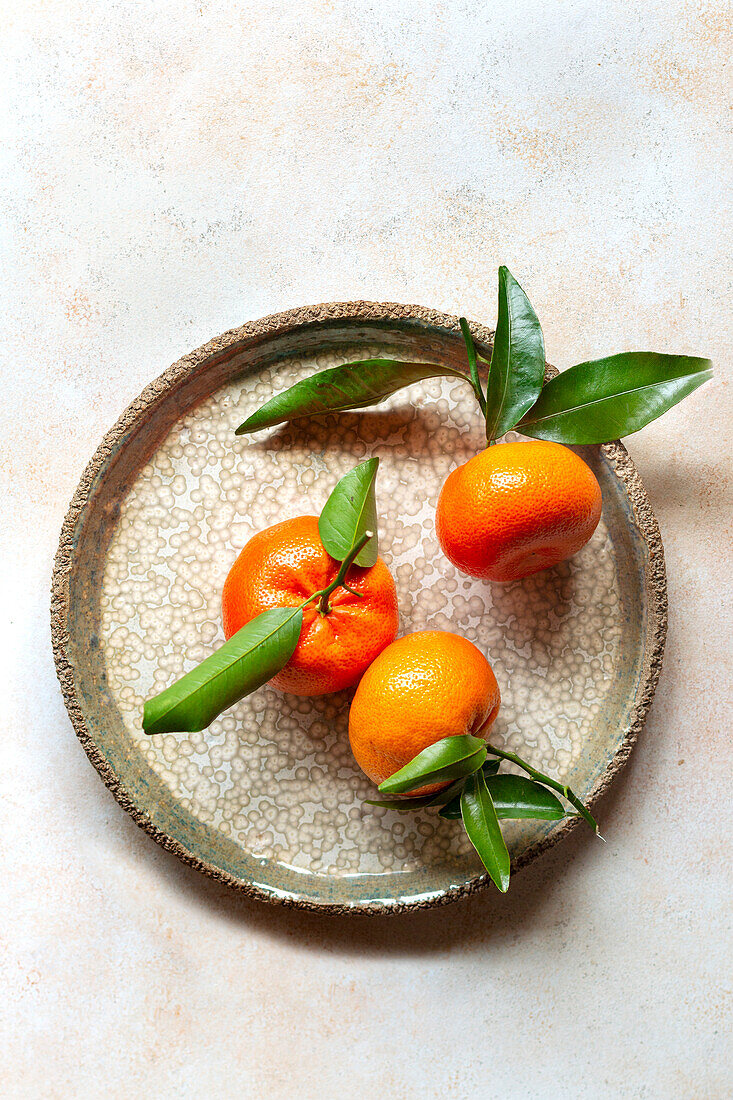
247	660
402	805
352	386
473	363
548	781
515	796
482	826
451	811
517	360
349	512
448	759
609	398
451	808
406	803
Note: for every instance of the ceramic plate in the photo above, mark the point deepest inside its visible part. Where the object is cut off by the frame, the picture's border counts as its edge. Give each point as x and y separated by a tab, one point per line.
268	799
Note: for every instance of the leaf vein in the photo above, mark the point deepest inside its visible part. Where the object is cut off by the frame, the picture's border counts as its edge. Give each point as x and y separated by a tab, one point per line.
702	375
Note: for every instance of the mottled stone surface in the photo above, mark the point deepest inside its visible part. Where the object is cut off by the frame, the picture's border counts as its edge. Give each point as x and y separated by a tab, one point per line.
169	173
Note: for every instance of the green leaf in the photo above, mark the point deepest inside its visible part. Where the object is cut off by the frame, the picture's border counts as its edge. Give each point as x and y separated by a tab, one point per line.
483	829
451	811
247	660
452	806
517	361
516	797
609	398
451	758
402	805
349	512
405	804
472	362
547	781
351	386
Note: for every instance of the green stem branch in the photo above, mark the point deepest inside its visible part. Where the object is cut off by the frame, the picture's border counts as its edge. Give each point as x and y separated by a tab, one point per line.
561	788
348	561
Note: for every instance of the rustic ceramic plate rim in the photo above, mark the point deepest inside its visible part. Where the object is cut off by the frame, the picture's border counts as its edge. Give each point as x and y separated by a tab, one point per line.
277	324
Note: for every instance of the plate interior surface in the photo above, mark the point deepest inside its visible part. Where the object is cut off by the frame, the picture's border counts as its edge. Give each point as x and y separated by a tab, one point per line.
269	798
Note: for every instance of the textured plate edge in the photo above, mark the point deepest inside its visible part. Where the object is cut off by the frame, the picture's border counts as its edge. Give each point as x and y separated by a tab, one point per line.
272	325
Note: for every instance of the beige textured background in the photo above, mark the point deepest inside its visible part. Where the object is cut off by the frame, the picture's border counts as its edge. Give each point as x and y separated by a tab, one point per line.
173	168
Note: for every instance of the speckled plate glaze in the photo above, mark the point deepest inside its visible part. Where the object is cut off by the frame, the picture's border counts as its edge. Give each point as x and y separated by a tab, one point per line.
268	799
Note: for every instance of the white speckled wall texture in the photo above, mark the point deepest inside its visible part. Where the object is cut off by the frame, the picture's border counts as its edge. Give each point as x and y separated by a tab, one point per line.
171	169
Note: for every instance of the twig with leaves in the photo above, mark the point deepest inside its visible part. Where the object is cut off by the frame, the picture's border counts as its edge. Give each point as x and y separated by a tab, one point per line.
479	796
348	530
592	402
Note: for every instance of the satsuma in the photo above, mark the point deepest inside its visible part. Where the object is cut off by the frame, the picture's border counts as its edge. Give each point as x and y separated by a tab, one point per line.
281	567
517	508
423	687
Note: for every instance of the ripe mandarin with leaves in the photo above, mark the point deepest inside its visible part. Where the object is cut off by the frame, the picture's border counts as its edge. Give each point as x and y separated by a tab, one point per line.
419	727
516	509
519	507
341	633
308	605
421	688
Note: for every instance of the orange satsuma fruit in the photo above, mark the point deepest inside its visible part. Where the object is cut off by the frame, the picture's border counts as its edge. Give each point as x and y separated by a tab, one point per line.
281	567
422	688
517	508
